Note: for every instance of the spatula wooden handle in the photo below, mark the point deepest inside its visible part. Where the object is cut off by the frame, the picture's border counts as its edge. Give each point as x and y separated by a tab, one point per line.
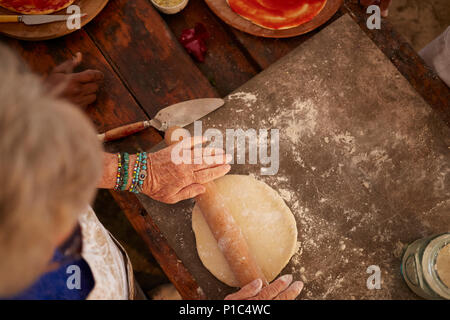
123	131
226	231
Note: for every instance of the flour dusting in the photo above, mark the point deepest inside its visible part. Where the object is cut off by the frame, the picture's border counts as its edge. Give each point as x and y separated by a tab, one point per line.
248	98
297	122
286	194
346	140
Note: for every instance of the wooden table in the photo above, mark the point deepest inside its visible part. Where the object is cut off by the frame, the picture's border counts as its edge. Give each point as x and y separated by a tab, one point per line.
146	69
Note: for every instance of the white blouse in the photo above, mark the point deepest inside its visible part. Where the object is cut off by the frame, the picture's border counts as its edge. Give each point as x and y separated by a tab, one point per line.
107	259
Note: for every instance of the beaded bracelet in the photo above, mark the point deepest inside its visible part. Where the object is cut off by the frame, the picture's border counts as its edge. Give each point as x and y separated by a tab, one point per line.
143	171
139	173
126	159
119	171
135	173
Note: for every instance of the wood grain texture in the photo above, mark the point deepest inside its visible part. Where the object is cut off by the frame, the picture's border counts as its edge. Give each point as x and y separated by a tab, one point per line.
106	112
223	10
151	62
50	30
266	51
226	66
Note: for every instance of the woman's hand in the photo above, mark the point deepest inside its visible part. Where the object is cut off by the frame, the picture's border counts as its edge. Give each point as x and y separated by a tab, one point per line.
384	5
79	88
169	182
280	289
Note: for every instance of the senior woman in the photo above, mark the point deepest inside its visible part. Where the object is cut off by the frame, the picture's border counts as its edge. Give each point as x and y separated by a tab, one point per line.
52	245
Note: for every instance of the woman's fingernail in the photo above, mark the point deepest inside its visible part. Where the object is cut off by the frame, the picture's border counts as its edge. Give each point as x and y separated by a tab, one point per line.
256	283
298	285
286	278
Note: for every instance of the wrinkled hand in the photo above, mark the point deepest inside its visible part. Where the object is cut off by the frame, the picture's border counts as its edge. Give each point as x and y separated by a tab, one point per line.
79	88
280	289
384	5
169	182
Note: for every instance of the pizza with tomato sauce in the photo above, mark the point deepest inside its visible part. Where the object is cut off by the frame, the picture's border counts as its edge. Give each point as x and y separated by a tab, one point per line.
35	6
277	14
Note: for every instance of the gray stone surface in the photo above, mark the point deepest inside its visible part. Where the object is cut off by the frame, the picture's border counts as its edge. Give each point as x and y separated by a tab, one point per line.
364	165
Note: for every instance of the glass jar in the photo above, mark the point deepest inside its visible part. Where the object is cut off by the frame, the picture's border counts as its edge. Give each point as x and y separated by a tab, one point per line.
419	267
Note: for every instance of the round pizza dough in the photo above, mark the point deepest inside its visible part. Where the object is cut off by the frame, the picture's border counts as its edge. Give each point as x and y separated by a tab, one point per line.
266	221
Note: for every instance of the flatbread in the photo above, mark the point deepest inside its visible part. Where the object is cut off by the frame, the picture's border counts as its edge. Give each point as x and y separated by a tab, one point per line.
35	6
277	14
267	224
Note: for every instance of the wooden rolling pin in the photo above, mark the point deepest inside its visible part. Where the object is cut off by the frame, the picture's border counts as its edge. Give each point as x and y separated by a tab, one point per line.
226	231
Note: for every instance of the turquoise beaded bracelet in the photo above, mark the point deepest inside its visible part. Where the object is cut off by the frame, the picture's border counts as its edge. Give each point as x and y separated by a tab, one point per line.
143	171
139	173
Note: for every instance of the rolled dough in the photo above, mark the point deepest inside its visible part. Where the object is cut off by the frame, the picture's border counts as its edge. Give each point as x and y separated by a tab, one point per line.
266	221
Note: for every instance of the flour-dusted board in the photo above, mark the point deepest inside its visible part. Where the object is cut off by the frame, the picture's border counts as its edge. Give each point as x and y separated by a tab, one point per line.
364	165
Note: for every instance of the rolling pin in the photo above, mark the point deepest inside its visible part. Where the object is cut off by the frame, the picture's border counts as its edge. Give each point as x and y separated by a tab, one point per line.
226	231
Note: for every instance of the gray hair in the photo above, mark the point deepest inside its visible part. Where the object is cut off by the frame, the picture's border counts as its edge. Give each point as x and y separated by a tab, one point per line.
50	163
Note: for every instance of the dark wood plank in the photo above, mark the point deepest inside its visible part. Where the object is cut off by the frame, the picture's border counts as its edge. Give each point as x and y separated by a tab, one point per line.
115	105
150	61
266	51
226	65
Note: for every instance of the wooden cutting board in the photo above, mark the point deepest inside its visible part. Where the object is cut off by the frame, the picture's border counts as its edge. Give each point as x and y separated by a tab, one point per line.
364	165
50	30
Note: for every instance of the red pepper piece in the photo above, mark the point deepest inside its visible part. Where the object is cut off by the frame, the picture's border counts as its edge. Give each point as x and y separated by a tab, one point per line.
193	40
